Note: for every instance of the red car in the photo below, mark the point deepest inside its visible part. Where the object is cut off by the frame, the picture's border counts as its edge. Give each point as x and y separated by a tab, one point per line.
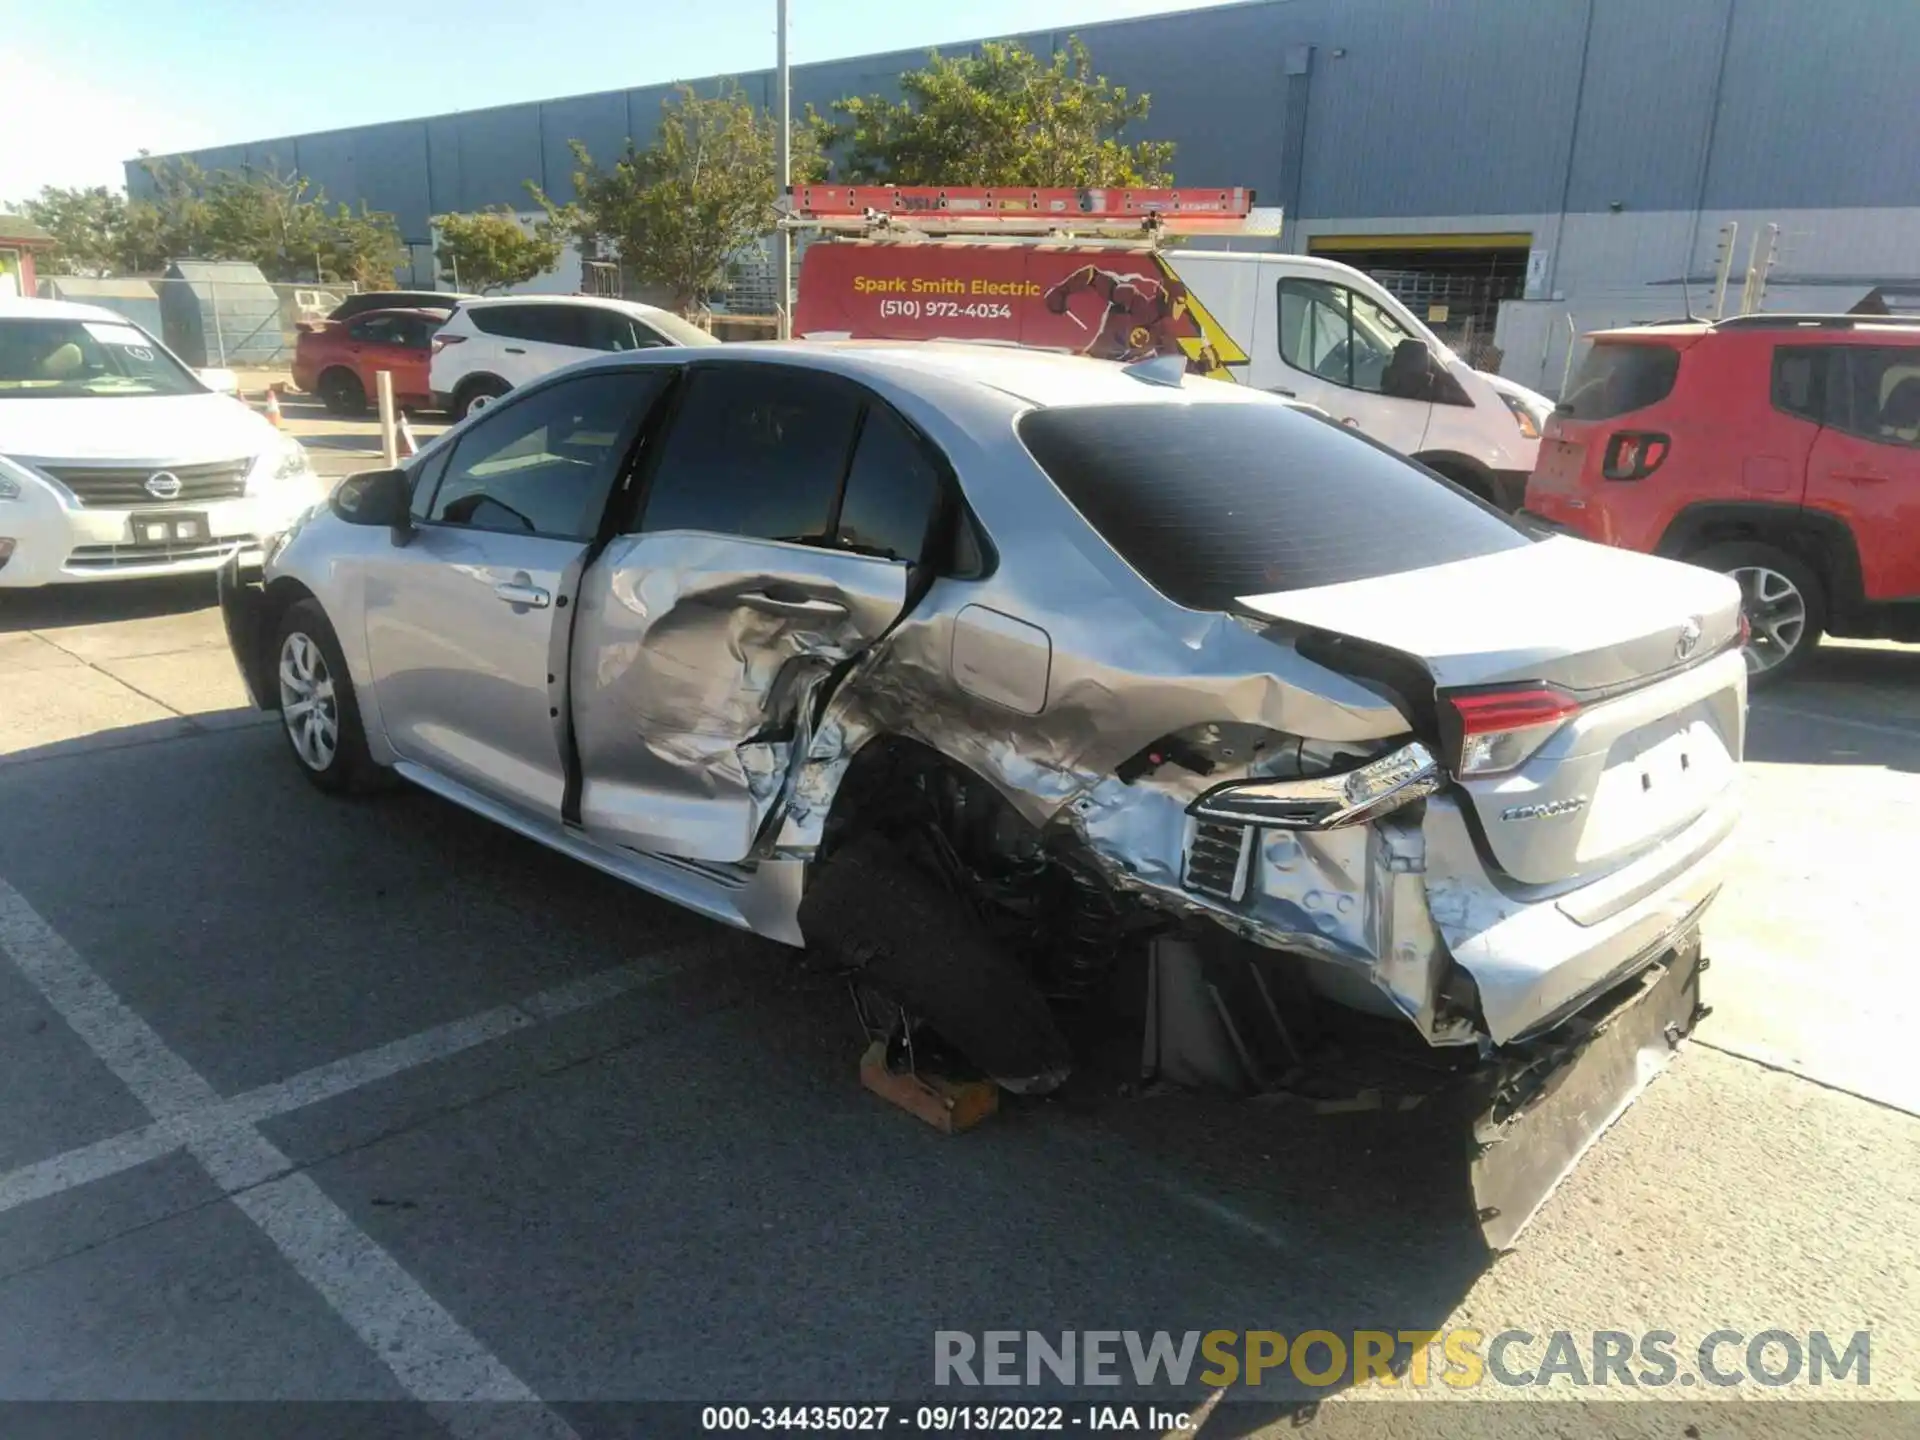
1783	450
338	359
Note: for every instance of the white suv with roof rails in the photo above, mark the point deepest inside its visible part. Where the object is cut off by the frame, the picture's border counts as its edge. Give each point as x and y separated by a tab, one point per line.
489	347
118	462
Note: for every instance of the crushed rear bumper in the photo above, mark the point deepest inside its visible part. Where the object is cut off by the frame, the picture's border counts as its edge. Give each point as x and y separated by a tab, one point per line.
1539	1109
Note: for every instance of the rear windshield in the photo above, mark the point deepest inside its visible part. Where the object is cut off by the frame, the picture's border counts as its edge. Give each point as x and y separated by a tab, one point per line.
1212	502
1616	378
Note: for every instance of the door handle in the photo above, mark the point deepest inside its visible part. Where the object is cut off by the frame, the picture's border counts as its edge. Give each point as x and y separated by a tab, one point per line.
798	606
518	592
1281	390
515	350
1868	477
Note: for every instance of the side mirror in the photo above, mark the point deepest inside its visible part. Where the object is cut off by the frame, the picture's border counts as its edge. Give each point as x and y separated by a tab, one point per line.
377	497
223	381
1413	373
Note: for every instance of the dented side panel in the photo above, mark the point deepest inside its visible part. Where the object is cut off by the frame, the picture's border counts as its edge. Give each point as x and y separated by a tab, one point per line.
694	658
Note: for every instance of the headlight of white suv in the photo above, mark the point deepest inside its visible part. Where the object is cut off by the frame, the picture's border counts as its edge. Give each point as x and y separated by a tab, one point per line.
287	461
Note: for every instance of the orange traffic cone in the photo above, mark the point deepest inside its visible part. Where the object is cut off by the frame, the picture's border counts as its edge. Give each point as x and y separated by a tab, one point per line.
273	408
408	445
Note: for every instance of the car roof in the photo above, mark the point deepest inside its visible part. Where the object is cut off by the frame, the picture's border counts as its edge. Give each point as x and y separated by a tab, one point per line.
489	302
15	307
1035	377
1881	329
425	312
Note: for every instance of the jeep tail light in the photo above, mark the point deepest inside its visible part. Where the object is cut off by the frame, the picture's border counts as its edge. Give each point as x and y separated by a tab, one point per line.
1501	729
1633	454
440	342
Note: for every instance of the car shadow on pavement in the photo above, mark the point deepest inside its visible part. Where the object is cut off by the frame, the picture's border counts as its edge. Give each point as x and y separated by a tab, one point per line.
686	1192
1851	705
54	607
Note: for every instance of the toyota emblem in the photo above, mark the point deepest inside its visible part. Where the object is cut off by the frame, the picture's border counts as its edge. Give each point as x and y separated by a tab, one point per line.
163	485
1689	639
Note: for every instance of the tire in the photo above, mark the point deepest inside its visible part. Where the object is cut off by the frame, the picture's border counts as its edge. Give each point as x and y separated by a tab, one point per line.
1783	600
342	393
326	736
477	394
920	945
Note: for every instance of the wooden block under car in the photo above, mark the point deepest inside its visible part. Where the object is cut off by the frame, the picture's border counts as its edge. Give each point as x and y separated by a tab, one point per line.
950	1106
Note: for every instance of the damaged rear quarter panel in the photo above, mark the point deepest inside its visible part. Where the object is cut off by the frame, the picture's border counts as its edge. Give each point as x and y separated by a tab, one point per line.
1126	668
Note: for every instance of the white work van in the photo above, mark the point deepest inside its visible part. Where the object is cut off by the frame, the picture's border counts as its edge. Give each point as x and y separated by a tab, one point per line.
1312	329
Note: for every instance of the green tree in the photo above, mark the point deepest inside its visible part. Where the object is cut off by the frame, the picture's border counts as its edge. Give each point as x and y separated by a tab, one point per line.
492	250
88	227
1002	117
676	213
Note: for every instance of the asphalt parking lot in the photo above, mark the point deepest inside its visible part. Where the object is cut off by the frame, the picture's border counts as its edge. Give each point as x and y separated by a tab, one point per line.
314	1100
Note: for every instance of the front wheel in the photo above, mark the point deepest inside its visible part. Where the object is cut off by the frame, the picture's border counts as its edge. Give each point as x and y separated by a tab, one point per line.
477	395
319	713
1783	602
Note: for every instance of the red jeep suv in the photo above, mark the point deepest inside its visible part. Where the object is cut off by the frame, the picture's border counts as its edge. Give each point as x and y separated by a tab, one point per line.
1783	450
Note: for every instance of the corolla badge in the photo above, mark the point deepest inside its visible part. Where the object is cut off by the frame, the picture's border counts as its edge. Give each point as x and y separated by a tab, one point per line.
163	485
1545	810
1689	639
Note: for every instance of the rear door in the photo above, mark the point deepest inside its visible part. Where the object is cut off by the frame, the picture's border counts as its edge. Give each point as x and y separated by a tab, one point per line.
467	625
775	541
379	342
1337	348
1865	465
525	340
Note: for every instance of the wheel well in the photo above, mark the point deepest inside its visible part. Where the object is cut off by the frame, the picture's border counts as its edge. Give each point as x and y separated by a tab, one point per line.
473	382
333	370
280	596
1822	542
879	787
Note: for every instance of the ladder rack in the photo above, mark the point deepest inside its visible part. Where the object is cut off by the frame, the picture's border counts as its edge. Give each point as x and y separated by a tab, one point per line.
1012	211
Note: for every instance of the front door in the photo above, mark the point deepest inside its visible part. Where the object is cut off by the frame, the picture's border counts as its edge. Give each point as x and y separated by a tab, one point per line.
468	624
1338	350
776	540
1865	465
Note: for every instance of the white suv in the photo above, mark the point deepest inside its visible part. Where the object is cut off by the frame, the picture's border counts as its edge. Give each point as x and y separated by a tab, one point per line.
119	462
490	346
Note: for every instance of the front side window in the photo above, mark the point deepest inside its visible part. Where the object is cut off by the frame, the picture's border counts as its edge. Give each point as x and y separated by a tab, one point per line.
1336	333
544	464
1879	398
73	359
756	451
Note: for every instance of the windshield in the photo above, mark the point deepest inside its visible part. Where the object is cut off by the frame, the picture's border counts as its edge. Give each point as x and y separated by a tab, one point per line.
61	359
680	332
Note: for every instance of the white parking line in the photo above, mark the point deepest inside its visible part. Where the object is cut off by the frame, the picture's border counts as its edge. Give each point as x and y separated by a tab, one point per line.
432	1355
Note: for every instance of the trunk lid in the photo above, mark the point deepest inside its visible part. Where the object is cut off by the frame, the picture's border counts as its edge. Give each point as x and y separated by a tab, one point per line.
1657	734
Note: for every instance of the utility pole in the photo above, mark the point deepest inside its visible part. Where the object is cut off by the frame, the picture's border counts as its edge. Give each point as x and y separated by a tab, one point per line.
783	299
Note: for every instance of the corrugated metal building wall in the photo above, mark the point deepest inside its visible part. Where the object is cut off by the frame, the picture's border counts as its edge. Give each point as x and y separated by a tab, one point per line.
1616	134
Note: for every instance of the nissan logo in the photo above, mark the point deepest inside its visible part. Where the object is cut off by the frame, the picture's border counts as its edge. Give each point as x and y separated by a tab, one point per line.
1682	648
163	485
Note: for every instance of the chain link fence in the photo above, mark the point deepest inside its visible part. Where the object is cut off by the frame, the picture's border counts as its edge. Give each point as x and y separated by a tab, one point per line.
233	321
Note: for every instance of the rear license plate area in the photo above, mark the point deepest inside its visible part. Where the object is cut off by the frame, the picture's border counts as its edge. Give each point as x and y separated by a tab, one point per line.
171	527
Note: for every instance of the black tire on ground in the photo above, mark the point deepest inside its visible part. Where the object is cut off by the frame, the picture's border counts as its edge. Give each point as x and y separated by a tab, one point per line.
1775	585
1473	484
920	945
476	394
342	393
326	737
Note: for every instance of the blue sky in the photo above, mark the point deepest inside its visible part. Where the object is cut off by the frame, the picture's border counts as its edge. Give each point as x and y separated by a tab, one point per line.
85	84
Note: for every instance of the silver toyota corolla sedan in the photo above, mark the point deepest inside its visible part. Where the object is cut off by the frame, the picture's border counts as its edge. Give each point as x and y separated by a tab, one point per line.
981	671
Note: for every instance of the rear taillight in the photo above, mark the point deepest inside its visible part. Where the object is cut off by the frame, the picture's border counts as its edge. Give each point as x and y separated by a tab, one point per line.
1501	729
1633	454
440	342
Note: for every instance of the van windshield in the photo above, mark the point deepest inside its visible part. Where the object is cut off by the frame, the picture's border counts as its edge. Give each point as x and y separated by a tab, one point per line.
56	359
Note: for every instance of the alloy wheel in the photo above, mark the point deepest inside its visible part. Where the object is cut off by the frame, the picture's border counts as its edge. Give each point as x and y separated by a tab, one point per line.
1776	614
308	706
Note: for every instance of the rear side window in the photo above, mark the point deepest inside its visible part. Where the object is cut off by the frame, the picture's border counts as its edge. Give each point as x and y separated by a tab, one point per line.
893	491
543	324
1214	501
756	451
1616	378
1800	380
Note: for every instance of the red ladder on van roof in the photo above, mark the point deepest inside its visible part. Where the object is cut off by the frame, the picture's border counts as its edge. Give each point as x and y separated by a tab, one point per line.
1006	210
